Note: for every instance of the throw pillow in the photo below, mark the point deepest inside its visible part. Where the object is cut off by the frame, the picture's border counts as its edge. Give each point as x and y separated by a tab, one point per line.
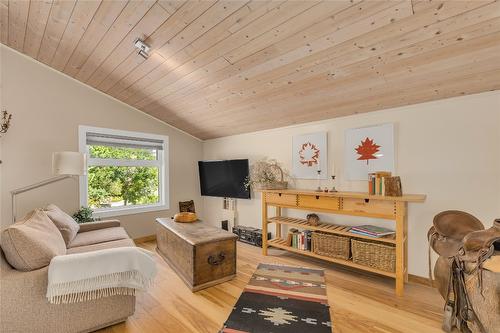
32	242
65	223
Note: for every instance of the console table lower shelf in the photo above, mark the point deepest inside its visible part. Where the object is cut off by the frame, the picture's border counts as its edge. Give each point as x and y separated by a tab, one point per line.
282	244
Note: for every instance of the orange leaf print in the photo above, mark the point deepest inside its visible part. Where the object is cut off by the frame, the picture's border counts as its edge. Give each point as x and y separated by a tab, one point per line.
367	150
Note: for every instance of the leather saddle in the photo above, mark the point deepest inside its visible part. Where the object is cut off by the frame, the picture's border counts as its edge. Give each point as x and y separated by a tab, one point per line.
446	236
463	245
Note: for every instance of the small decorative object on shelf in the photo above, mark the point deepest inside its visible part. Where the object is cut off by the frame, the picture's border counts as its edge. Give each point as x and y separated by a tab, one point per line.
267	175
312	219
6	118
393	187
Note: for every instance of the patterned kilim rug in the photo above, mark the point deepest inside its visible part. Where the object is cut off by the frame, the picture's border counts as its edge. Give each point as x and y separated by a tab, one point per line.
282	299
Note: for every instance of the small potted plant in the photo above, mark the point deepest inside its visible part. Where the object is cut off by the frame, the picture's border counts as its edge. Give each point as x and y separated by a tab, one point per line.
267	175
84	215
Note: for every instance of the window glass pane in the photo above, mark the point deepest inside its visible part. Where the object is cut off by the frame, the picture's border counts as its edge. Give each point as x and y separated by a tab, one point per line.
115	186
122	153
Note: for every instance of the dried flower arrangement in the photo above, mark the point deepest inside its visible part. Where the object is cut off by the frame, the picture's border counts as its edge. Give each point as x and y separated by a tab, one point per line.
267	174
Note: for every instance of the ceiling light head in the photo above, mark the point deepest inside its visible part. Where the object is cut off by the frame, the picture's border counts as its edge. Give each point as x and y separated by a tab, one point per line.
142	47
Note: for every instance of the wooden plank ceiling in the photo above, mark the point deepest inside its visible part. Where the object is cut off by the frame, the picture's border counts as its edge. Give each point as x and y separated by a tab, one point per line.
225	67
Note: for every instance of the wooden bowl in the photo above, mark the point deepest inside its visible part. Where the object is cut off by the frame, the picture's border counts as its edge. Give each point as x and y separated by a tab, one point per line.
185	217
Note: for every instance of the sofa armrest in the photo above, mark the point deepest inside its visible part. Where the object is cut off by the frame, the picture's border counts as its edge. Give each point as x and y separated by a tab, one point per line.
21	291
88	226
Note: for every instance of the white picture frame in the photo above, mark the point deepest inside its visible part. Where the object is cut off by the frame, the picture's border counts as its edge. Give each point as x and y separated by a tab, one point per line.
369	149
310	154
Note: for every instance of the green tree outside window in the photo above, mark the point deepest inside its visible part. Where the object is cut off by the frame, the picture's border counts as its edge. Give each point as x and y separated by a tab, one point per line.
122	185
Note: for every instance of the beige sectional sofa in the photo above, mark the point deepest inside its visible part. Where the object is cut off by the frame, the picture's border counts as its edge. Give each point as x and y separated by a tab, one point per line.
23	302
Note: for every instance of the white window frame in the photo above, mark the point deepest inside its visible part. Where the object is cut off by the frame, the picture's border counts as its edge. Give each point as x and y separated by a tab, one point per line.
162	163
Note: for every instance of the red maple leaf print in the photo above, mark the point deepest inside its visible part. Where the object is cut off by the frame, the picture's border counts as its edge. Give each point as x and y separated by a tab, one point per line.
367	150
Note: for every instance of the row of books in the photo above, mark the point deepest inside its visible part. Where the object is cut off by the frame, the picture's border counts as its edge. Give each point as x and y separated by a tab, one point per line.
371	231
300	240
376	182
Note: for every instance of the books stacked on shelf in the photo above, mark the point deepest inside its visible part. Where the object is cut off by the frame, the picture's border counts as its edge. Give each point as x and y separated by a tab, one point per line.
376	182
371	231
300	240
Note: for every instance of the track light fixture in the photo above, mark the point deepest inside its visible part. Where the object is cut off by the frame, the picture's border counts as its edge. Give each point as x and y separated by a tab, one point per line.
142	47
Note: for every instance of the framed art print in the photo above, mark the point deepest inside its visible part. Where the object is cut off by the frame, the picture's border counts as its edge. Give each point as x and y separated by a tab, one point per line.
310	155
369	149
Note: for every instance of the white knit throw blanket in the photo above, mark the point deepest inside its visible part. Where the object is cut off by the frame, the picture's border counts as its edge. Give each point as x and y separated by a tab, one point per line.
87	276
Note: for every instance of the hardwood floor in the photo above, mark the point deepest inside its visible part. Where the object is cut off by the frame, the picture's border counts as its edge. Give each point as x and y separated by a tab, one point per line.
359	302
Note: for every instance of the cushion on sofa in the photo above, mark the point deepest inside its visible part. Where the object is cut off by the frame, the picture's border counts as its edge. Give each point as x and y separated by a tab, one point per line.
101	246
31	243
65	223
98	236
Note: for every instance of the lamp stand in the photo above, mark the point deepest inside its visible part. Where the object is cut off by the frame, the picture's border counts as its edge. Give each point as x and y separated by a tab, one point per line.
14	193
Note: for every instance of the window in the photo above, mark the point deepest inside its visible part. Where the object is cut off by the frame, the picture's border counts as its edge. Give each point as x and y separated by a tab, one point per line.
126	171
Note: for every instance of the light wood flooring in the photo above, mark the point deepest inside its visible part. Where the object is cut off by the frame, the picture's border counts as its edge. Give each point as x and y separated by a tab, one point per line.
359	302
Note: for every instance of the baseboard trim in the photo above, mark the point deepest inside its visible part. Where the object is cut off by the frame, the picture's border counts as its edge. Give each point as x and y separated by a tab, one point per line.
420	280
145	239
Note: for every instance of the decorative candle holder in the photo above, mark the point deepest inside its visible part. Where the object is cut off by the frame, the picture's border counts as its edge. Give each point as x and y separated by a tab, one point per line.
318	188
333	189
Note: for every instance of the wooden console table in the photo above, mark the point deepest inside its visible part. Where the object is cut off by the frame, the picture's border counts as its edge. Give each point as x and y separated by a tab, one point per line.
344	203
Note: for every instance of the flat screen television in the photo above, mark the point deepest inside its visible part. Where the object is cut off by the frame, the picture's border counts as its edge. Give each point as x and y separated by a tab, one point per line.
224	178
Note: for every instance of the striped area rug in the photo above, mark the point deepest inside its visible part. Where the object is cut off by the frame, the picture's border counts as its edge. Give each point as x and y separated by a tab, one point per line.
282	299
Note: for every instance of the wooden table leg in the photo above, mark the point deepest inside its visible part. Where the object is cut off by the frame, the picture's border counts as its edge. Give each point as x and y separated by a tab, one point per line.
400	247
278	225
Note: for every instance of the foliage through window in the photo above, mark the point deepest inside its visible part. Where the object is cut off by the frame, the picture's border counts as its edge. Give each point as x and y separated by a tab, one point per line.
124	171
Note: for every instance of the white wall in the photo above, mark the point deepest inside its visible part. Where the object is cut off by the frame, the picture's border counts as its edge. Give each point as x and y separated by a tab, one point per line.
47	108
448	149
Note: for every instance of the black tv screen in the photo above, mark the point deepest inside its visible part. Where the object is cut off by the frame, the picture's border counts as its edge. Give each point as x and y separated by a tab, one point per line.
224	178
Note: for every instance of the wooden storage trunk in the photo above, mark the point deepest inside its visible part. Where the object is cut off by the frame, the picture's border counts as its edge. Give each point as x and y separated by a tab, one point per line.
200	254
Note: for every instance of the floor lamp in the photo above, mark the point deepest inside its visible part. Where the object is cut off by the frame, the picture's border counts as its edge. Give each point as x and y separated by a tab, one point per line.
66	164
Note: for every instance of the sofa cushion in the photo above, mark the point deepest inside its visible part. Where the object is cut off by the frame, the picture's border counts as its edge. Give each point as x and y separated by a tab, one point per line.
65	223
101	246
98	236
31	243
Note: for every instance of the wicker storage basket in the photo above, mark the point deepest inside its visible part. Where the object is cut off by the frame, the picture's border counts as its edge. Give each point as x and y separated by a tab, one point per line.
331	245
373	254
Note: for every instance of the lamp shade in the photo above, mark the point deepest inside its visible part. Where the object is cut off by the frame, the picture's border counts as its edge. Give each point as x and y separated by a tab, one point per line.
69	163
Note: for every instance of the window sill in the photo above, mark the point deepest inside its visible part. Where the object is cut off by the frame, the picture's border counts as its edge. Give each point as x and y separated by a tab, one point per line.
129	210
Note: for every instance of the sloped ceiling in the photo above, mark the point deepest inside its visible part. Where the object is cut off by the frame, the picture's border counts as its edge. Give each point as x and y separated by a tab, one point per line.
219	68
